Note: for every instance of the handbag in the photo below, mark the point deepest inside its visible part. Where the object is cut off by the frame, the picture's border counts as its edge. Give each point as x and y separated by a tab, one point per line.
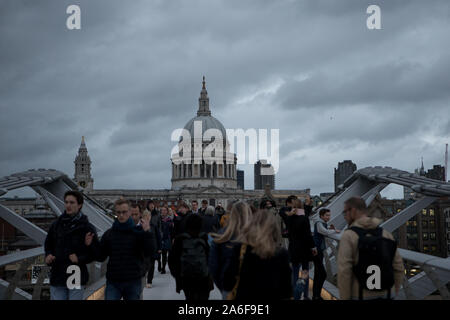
232	294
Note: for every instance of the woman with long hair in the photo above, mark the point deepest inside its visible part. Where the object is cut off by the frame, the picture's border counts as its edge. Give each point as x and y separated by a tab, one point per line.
260	267
222	245
302	248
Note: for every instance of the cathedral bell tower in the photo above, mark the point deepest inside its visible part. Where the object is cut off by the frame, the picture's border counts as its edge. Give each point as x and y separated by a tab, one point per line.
83	168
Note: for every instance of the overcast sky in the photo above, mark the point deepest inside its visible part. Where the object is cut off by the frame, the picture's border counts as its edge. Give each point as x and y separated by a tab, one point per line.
311	69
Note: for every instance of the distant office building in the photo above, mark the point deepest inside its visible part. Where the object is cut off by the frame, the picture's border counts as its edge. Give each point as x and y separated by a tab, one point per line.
240	179
344	170
324	196
437	173
426	232
264	174
447	228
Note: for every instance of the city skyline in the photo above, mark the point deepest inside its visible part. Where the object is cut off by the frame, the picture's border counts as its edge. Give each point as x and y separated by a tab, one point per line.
312	70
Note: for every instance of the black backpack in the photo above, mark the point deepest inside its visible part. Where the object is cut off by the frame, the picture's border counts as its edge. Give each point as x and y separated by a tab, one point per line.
194	262
376	250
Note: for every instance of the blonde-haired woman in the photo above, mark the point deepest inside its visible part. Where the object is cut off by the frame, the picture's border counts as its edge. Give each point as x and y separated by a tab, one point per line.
260	268
222	245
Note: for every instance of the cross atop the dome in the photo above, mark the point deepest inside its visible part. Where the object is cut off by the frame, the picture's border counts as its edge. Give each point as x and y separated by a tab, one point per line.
204	83
83	145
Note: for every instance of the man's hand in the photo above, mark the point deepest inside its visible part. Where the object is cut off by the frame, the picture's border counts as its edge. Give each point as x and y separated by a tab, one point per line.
49	259
332	227
292	212
88	238
314	251
73	258
145	224
159	251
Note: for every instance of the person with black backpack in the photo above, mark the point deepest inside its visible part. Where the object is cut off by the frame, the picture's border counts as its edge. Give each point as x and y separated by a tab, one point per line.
188	261
369	264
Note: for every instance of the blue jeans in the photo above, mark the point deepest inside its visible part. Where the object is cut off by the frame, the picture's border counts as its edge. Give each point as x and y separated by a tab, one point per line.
225	294
304	288
128	290
63	293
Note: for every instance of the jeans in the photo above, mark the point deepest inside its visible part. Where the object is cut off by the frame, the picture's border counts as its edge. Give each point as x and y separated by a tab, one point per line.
319	274
151	270
63	293
303	288
164	254
128	290
225	294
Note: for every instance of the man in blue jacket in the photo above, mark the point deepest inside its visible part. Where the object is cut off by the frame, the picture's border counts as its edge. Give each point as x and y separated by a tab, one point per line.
125	244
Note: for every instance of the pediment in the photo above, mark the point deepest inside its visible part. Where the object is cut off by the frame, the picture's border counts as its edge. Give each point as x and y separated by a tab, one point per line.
212	189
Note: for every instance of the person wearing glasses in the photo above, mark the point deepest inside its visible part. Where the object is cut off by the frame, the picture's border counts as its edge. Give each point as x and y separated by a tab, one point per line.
125	244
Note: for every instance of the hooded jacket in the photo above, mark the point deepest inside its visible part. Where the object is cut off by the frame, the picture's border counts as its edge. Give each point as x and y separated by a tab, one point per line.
348	257
66	236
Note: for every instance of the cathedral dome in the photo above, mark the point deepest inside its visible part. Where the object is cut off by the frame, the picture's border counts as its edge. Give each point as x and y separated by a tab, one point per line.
208	122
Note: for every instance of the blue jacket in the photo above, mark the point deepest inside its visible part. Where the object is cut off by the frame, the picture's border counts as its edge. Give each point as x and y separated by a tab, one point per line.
220	258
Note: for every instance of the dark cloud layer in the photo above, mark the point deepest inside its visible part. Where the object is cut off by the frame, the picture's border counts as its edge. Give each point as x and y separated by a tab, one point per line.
312	69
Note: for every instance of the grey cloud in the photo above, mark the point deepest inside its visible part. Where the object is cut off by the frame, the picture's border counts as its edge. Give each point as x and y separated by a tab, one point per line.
133	74
396	83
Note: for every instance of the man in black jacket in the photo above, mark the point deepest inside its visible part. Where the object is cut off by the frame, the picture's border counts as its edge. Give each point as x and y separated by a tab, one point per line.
180	221
65	246
125	244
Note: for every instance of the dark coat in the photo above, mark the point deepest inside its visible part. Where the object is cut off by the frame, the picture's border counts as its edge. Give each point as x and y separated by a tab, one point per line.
201	211
65	237
260	279
300	239
167	230
210	223
157	239
179	225
220	257
126	246
174	261
308	210
156	219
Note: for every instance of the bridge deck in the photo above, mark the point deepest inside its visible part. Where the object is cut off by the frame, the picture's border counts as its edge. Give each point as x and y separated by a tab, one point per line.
164	289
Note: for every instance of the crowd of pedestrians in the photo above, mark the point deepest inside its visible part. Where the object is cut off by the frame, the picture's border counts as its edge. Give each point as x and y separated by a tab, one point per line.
248	251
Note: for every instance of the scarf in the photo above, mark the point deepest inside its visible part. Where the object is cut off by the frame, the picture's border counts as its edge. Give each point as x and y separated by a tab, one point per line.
69	222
